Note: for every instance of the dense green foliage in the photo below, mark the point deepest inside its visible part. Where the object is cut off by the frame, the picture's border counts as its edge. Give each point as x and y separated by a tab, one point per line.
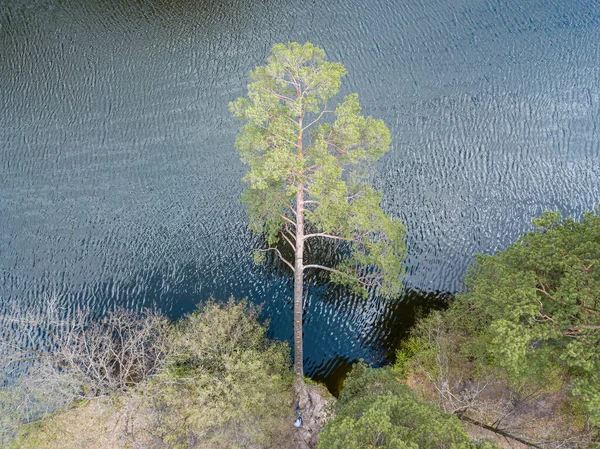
226	383
296	144
536	305
525	335
376	410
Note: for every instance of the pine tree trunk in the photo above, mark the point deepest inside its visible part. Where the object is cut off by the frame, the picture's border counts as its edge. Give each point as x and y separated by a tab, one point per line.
298	288
299	263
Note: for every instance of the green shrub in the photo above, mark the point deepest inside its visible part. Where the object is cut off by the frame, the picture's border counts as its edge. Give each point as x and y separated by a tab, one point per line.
225	383
376	410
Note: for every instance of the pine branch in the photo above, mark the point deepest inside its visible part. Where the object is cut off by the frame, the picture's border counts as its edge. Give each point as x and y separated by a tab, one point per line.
280	256
287	238
341	273
324	111
330	236
286	219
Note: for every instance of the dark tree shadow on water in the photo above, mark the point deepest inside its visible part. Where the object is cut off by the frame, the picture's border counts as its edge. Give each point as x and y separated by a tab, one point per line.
385	322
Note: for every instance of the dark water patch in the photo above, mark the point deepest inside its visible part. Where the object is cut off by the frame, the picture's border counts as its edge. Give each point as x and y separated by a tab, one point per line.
337	370
401	315
393	327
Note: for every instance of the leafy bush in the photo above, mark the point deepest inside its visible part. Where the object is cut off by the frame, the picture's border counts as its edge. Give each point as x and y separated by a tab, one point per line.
376	410
225	382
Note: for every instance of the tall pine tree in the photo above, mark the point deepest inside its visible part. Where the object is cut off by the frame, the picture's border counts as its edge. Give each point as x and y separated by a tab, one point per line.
309	176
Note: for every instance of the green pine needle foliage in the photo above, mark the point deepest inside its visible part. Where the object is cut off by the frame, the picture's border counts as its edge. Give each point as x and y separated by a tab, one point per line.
294	137
535	306
376	410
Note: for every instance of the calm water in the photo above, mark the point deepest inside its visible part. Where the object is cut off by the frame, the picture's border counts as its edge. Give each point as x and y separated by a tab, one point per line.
119	180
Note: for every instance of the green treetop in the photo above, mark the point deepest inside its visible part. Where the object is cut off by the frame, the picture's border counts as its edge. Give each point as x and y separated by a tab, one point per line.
308	177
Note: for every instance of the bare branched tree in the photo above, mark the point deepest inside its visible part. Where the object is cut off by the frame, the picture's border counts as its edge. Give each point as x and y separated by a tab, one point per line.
110	354
48	359
104	355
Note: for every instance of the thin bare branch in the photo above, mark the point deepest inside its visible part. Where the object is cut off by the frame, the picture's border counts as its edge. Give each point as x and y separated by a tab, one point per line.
280	256
275	134
278	95
341	273
287	239
324	111
331	236
286	219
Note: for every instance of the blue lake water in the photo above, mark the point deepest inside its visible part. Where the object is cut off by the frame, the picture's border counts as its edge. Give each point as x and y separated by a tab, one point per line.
119	181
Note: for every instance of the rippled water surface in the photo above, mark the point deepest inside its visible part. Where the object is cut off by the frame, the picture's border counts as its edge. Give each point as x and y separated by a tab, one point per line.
119	180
